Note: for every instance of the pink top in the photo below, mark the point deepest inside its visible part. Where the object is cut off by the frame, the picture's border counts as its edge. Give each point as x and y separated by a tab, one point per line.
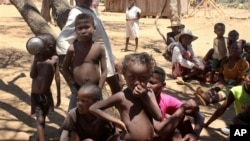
168	104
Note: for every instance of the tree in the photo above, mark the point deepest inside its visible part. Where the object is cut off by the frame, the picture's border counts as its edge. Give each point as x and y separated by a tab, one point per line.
37	23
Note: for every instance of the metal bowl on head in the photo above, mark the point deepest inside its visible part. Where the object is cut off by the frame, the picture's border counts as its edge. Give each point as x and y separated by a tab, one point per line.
34	45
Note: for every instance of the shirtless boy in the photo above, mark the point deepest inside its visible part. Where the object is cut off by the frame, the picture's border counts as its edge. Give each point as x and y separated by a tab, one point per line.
83	125
136	104
44	68
81	63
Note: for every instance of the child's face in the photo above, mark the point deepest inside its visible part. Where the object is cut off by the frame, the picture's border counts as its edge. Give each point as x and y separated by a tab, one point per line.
84	101
131	2
247	82
235	49
84	30
219	31
233	37
186	40
155	82
136	74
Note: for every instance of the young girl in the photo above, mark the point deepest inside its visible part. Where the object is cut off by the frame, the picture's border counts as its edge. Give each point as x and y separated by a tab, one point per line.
136	104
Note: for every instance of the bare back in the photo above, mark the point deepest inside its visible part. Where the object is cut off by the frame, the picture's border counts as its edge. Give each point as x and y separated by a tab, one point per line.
45	72
85	62
137	120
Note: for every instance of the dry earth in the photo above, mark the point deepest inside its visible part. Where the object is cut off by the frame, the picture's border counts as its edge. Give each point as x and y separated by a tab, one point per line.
15	122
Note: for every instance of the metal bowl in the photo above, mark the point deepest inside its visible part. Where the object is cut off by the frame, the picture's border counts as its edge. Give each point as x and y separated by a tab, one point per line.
34	45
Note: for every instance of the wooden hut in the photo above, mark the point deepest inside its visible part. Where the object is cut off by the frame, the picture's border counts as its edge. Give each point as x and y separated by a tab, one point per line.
148	7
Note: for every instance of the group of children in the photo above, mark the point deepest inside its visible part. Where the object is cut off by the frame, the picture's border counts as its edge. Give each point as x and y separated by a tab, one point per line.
146	112
141	104
226	67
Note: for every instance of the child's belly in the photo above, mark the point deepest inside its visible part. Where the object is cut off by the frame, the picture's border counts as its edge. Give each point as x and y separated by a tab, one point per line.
87	72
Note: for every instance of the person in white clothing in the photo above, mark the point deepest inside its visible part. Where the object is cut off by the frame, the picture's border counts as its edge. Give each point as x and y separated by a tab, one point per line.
132	23
68	36
184	62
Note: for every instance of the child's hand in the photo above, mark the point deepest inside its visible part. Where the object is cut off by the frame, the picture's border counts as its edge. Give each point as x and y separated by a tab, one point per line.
140	90
190	137
122	126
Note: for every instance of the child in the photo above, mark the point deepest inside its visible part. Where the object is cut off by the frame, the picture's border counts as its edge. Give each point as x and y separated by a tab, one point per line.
132	23
136	103
44	68
81	63
184	62
247	51
240	95
83	125
176	110
233	36
231	73
220	48
68	35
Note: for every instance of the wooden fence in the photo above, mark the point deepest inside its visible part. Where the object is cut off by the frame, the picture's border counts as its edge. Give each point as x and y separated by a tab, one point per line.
148	7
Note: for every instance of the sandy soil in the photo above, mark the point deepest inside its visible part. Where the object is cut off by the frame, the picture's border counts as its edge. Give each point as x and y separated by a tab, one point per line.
15	122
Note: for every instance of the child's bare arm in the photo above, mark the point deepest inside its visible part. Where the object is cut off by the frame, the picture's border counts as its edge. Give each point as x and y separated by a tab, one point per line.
67	63
99	107
103	68
33	71
58	81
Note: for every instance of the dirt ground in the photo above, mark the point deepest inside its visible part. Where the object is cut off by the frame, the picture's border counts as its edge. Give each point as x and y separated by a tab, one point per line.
15	122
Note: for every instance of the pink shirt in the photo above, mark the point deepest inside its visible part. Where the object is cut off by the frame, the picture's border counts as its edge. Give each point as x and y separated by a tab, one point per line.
168	104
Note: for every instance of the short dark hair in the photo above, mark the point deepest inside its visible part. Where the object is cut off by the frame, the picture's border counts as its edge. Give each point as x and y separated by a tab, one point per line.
219	24
96	93
85	16
161	72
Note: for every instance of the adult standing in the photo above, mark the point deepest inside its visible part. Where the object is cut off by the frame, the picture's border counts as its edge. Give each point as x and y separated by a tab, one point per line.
132	23
68	36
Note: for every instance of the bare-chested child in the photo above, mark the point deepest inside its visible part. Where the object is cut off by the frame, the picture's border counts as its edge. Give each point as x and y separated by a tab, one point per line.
44	68
85	60
83	125
136	103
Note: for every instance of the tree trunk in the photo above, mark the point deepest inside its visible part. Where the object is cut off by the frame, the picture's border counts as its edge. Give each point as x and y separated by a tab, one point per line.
60	11
33	17
45	10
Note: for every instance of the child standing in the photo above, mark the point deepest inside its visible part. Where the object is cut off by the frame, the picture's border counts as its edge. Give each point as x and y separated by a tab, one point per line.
81	63
44	68
136	104
83	125
220	48
132	23
177	110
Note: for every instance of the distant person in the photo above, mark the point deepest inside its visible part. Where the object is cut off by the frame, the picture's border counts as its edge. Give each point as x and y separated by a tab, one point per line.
132	23
247	51
136	104
176	124
44	68
233	36
220	48
176	28
240	96
94	6
231	73
84	58
68	36
83	125
185	63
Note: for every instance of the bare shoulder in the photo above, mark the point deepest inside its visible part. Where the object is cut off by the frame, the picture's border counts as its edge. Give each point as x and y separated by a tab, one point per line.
99	45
